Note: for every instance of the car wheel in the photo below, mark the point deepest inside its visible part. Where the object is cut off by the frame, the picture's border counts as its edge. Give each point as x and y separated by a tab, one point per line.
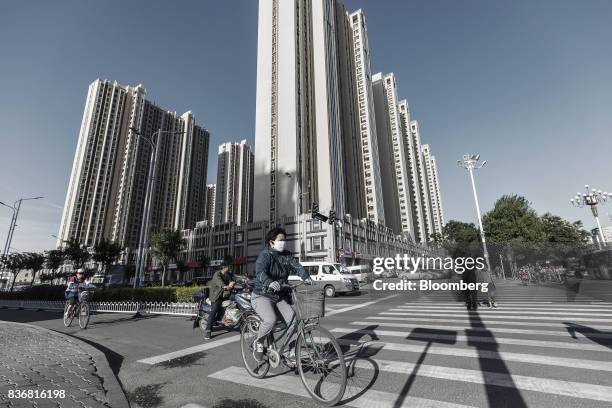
330	291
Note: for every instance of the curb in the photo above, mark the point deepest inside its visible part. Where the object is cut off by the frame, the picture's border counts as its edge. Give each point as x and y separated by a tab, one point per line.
114	393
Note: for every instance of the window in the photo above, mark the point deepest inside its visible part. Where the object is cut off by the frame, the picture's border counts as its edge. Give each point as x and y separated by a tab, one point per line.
328	269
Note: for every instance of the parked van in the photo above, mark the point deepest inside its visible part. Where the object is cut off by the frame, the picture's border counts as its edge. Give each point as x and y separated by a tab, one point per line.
361	272
330	278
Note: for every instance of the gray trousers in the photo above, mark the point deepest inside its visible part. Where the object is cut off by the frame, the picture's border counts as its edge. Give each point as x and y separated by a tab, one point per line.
264	307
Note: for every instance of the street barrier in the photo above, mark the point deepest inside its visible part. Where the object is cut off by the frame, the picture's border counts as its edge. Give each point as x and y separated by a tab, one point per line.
161	308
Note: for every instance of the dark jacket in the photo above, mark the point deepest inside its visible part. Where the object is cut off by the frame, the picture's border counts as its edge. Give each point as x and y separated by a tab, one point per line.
274	266
218	281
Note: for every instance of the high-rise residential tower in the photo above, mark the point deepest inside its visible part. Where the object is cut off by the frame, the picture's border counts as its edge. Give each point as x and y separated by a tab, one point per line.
392	150
234	188
435	202
307	122
107	189
367	121
413	155
423	185
211	190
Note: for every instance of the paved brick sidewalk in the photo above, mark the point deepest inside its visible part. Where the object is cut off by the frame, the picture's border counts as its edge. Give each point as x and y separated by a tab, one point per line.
34	358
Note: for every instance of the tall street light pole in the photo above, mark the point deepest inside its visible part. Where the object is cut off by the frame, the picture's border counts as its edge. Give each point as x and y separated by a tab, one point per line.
143	240
591	198
15	207
471	162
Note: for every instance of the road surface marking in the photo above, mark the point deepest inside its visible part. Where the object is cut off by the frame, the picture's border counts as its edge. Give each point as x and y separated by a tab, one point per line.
545	385
522	309
486	354
290	384
191	350
485	322
484	317
525	304
488	311
581	346
358	306
556	333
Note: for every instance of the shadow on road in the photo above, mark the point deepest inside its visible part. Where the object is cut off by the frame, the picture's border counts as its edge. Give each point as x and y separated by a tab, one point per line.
494	370
115	360
29	316
596	336
362	371
447	337
111	322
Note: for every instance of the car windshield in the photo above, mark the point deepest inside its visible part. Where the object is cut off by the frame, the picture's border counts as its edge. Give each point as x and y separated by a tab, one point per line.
341	268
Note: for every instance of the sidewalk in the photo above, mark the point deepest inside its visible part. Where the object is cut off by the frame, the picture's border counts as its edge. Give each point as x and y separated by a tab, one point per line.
39	359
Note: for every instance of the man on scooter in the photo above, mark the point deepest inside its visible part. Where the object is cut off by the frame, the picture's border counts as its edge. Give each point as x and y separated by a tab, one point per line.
221	281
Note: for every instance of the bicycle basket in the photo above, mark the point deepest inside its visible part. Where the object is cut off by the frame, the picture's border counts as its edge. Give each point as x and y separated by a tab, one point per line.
85	296
309	303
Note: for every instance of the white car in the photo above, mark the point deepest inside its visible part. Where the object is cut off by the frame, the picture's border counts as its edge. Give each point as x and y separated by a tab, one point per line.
333	278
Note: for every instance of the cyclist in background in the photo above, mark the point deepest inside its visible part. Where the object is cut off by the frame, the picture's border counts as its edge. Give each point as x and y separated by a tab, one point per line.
76	283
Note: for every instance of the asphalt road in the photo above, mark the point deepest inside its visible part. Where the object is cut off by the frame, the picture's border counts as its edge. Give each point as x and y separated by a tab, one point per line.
405	349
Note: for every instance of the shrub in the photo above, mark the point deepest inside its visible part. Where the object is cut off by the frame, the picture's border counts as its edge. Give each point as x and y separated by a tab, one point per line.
152	294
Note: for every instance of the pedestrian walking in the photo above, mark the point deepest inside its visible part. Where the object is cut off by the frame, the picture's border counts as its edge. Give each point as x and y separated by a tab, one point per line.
484	276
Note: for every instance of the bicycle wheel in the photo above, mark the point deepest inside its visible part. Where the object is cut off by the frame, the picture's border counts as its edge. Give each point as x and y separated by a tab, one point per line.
84	315
321	365
248	334
68	314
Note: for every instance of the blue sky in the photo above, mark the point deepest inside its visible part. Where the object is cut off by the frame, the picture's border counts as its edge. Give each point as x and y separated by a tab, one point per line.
527	84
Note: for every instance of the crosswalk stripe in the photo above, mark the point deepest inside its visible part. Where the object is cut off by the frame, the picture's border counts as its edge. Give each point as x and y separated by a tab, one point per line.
532	303
486	311
359	305
474	339
545	385
603	306
485	322
497	316
292	385
555	333
191	350
487	354
541	309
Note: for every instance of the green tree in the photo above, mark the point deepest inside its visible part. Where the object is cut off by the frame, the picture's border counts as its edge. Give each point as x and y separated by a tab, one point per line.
106	253
513	220
165	245
35	262
563	239
14	263
457	231
54	260
460	239
556	229
75	253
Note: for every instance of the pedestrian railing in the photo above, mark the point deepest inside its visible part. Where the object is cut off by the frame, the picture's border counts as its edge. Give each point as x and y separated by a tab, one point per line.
161	308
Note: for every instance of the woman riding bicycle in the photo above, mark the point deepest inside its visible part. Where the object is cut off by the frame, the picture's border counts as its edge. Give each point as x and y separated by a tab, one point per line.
75	283
272	268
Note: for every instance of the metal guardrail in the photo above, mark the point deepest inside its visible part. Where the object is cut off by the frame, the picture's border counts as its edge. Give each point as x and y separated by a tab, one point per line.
161	308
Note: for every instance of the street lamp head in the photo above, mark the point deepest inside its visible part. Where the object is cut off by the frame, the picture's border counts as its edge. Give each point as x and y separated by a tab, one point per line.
586	186
476	157
483	163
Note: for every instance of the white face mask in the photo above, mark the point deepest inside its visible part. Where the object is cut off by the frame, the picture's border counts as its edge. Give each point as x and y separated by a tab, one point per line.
278	246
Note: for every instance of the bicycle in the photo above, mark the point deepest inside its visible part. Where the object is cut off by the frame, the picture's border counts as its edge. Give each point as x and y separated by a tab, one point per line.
317	352
80	309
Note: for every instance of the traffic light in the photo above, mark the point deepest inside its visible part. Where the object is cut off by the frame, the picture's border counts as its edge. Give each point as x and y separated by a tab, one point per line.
315	208
332	217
